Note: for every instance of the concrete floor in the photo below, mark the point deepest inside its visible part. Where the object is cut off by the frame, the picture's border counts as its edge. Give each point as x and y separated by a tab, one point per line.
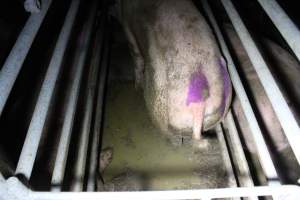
143	158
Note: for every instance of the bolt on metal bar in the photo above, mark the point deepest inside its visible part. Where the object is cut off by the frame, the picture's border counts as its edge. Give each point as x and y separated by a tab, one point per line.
284	24
227	162
17	55
63	147
92	172
34	132
239	158
80	164
290	192
33	6
281	108
264	155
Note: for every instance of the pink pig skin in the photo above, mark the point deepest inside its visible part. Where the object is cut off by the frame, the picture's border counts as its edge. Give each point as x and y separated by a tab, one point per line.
178	64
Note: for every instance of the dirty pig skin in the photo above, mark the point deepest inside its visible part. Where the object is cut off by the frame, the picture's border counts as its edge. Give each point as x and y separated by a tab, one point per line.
178	64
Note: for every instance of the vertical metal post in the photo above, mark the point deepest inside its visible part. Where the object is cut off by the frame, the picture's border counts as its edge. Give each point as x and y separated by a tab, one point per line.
240	161
281	108
80	163
17	55
264	155
63	147
92	174
34	132
226	157
284	24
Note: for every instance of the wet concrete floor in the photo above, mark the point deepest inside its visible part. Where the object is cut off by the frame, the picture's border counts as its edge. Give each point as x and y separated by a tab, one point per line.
143	158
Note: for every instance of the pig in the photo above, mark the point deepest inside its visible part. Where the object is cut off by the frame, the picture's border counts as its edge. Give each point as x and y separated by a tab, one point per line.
179	66
285	70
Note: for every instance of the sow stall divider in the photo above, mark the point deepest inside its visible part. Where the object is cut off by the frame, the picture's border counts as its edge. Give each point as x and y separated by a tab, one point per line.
80	165
71	104
12	188
264	154
281	108
34	133
239	158
102	62
284	24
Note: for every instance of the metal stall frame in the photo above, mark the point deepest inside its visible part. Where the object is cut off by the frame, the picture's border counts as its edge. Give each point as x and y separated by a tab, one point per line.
13	189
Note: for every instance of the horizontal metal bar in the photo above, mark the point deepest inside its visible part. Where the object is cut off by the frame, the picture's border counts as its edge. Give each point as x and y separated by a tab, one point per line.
281	108
17	55
80	163
63	147
34	132
92	174
284	24
14	187
264	155
287	192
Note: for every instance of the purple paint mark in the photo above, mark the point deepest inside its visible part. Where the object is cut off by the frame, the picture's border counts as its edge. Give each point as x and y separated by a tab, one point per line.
226	82
198	88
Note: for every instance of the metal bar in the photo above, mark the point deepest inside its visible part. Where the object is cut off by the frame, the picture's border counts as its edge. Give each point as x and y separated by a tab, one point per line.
63	147
34	132
264	155
231	177
281	108
240	161
2	177
16	188
17	55
33	6
288	192
80	164
92	174
284	24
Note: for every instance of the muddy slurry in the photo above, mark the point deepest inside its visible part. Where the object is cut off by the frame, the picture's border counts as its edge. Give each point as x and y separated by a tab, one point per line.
144	159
